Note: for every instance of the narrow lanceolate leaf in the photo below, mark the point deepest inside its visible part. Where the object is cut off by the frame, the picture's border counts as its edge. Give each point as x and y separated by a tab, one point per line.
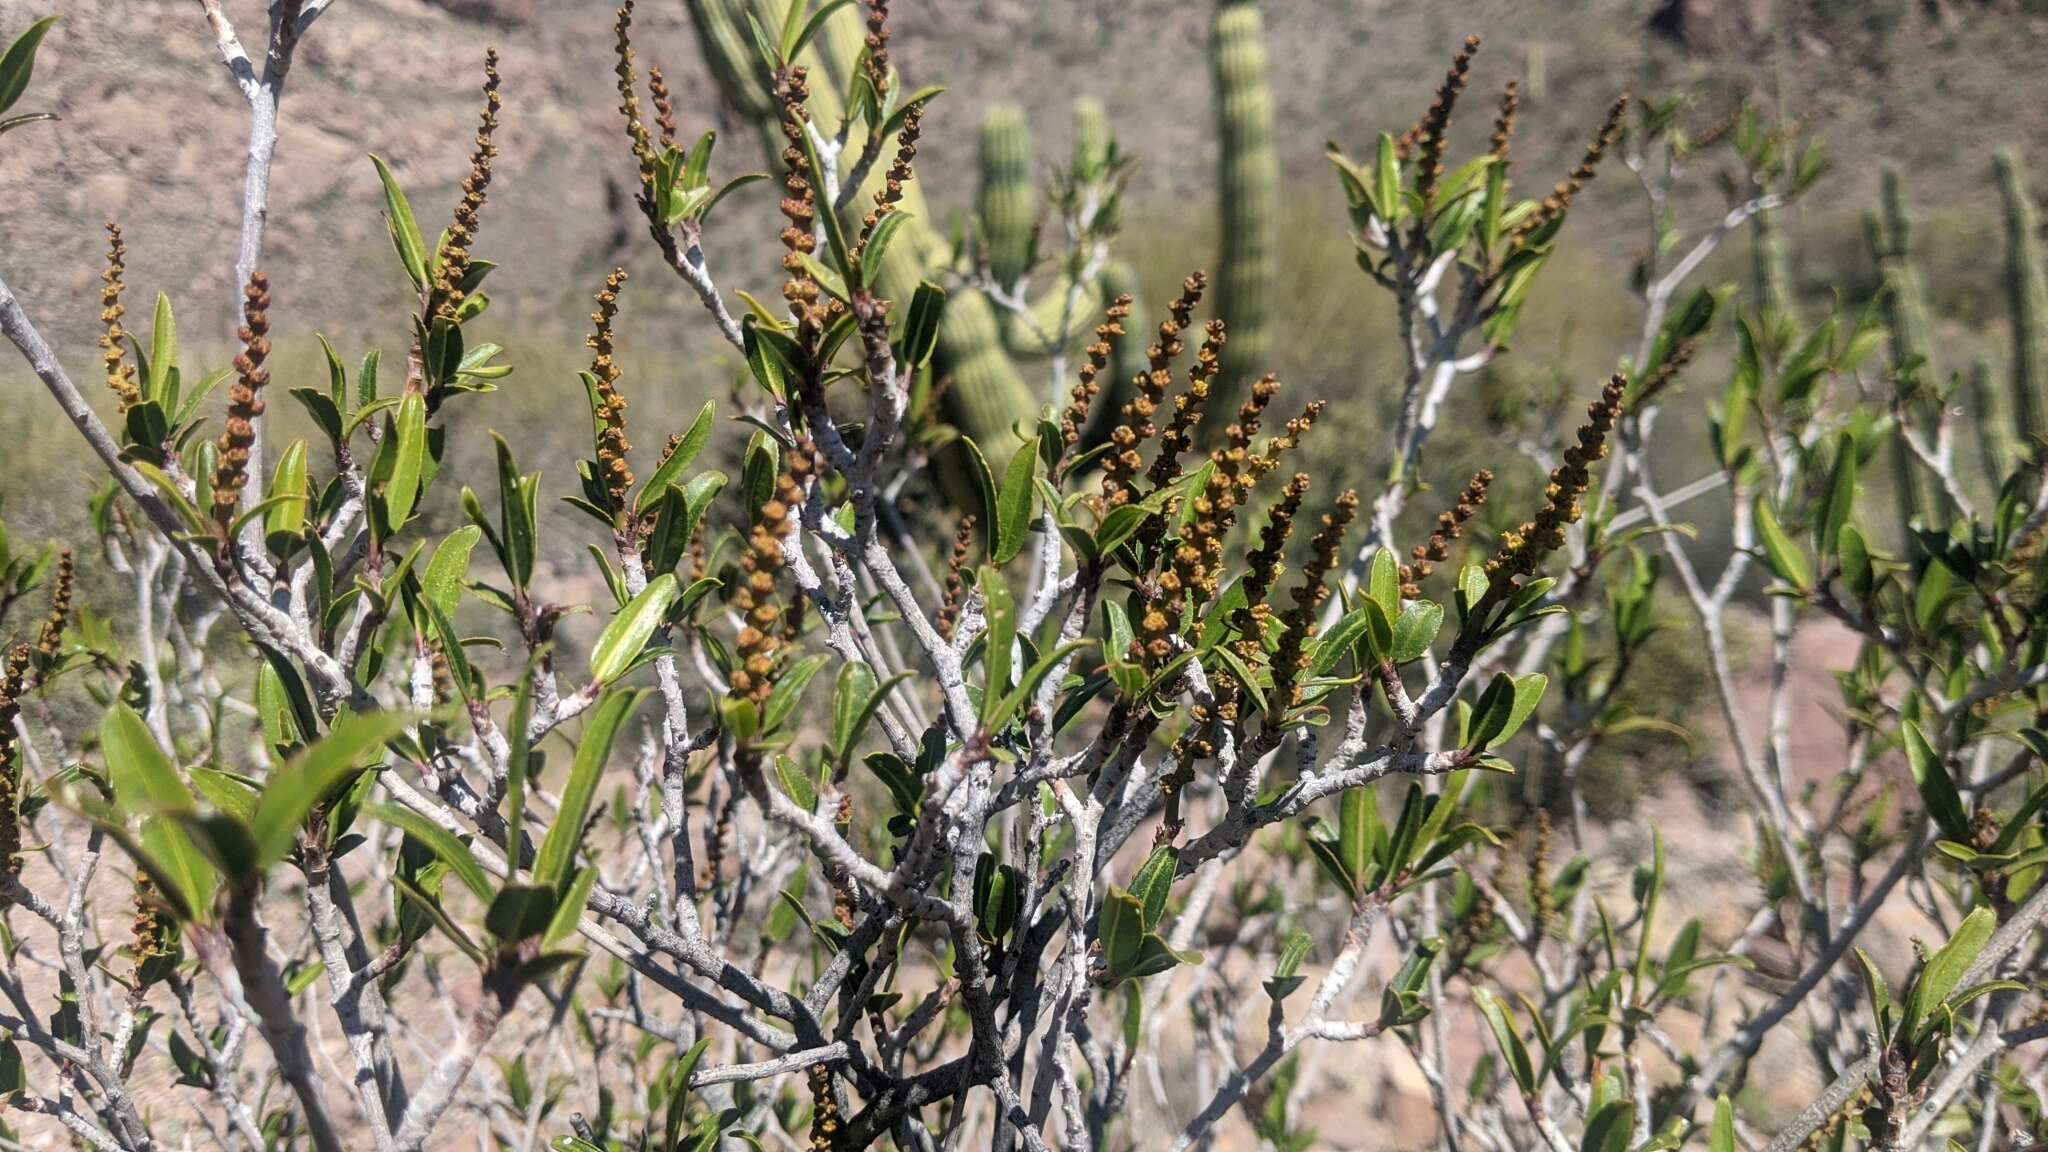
163	351
441	842
147	784
629	631
1721	1138
286	515
1945	970
18	63
1937	787
144	779
408	459
405	232
558	849
442	584
687	449
1841	495
1512	1050
293	790
1013	504
1781	555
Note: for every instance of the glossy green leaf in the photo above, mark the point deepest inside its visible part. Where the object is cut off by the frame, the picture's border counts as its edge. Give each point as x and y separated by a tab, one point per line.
1781	554
558	849
405	231
1013	505
687	450
408	460
18	63
1937	787
291	792
445	846
628	632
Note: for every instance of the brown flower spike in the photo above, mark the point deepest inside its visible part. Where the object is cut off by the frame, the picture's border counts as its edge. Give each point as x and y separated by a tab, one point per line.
1559	201
612	445
120	373
13	682
1082	399
245	402
755	600
1429	148
1120	466
454	255
1522	549
1450	526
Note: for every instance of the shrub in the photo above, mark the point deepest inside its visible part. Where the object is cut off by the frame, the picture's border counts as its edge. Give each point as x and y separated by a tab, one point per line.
829	837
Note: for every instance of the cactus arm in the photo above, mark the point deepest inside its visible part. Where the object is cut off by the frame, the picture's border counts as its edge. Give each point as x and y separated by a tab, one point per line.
1248	189
1905	314
1994	423
1770	267
2027	301
1007	201
989	395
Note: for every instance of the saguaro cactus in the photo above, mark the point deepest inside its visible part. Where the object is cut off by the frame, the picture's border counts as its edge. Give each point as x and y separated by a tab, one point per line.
1770	267
1905	310
989	395
1905	296
1008	198
1994	422
1247	189
2026	298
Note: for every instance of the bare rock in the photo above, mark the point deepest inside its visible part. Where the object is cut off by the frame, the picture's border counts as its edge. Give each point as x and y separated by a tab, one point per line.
1713	26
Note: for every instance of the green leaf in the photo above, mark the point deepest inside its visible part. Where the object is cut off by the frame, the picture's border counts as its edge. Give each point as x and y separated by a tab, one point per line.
405	232
1841	494
520	911
921	324
1121	928
1781	555
286	511
877	246
687	448
1512	1050
408	459
291	792
1154	882
1386	187
1504	707
1000	609
1416	630
795	36
985	489
1286	972
1384	584
1721	1137
18	63
1944	970
1880	996
1653	890
442	583
1358	833
1120	525
789	691
631	628
163	351
1937	787
558	849
441	842
1013	506
143	778
178	864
